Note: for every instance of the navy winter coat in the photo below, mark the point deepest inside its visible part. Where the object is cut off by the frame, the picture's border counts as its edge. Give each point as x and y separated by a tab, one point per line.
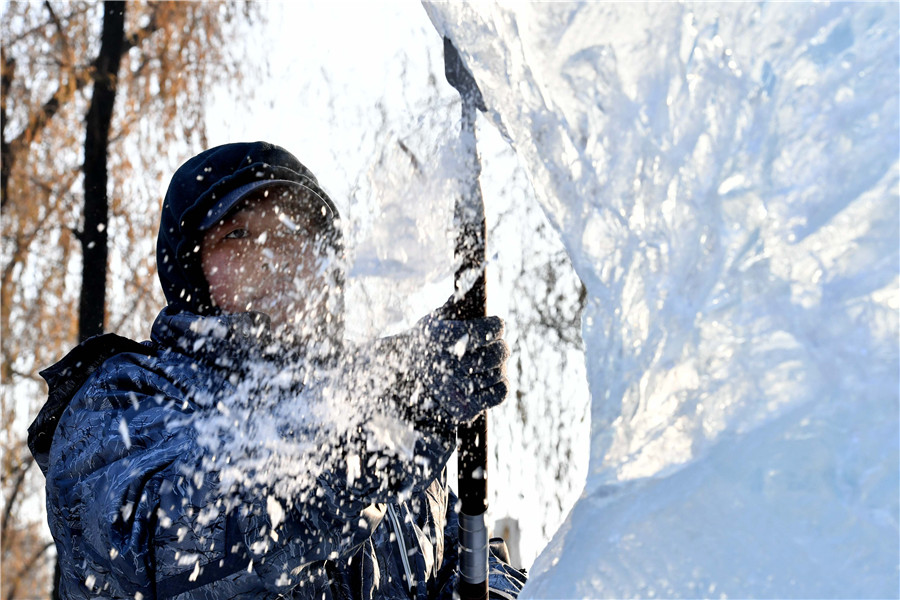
134	516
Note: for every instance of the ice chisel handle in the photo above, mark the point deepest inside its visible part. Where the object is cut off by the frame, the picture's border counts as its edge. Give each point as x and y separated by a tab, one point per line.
470	249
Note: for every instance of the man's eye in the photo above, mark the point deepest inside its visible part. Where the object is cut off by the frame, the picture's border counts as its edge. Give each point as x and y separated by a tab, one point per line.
236	234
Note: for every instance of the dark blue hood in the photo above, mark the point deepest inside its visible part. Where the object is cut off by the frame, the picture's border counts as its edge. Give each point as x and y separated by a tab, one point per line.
194	190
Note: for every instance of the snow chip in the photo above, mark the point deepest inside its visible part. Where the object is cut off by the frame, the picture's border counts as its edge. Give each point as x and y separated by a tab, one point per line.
275	510
460	347
123	431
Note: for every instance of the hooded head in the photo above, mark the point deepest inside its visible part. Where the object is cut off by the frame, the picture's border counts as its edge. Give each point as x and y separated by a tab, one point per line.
203	191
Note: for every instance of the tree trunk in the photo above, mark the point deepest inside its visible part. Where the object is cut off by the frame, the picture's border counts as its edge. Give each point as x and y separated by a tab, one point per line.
6	75
95	252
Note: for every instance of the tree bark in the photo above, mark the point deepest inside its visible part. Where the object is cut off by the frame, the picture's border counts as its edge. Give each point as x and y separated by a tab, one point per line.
95	251
7	65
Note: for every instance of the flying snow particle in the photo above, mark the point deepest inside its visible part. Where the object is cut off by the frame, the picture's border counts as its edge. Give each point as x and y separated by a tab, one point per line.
460	347
196	572
275	510
288	222
123	431
354	468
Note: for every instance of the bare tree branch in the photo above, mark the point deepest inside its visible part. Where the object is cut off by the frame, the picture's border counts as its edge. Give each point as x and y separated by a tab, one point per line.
63	39
79	10
37	121
18	480
26	568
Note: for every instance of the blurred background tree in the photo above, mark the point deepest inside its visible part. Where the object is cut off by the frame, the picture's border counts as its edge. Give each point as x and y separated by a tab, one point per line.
99	103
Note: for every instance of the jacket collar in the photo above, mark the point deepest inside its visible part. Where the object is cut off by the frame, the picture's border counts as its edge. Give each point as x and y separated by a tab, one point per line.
225	341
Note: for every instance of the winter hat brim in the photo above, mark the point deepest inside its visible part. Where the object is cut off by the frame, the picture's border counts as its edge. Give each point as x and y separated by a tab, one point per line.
221	208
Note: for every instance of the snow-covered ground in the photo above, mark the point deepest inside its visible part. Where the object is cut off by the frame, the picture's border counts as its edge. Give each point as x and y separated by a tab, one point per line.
725	180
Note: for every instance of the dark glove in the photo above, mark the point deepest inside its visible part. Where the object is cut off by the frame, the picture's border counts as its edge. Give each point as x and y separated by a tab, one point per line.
448	370
438	374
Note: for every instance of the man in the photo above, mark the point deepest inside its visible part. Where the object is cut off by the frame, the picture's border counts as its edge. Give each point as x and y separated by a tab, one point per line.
156	487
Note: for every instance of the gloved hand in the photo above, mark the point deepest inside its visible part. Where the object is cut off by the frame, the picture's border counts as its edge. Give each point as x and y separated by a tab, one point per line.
404	396
447	370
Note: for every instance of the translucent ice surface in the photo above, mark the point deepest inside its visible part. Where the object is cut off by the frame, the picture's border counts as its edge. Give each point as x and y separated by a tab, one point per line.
725	179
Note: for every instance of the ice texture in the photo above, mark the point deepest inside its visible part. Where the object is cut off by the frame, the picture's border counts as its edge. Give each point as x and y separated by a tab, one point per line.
725	180
399	227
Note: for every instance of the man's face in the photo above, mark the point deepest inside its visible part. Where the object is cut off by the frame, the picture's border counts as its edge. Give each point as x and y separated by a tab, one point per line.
268	256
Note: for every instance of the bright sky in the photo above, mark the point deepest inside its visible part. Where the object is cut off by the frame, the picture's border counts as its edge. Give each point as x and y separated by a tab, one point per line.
330	64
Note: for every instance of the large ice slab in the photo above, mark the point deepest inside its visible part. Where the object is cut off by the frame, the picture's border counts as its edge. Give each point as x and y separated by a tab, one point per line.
725	179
